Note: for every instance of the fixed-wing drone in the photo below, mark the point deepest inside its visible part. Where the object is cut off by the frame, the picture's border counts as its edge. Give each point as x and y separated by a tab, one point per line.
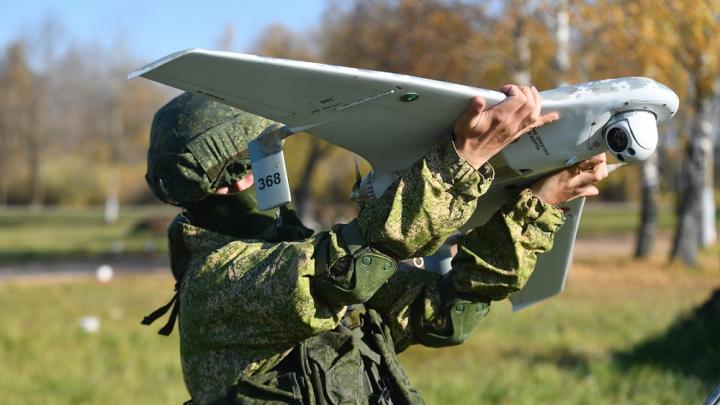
392	120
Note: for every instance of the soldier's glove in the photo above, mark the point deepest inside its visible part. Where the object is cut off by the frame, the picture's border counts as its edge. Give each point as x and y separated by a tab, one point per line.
497	259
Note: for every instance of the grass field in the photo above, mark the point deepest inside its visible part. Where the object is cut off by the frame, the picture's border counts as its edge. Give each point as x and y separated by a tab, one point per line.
615	336
60	234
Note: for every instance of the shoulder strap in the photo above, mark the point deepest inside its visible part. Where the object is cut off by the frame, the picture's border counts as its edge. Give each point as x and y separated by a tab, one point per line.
352	237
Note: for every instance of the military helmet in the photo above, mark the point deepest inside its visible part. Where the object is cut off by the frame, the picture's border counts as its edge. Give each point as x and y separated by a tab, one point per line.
196	146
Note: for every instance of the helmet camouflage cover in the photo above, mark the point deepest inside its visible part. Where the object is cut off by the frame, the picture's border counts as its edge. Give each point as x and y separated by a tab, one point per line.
196	146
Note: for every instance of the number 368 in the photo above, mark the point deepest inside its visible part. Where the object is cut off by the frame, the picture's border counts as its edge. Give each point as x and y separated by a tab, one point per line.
269	180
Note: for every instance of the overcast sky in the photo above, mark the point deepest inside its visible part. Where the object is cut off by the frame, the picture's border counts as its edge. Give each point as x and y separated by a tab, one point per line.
152	29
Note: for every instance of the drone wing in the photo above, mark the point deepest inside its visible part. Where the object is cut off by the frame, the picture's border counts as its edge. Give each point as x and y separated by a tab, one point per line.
373	114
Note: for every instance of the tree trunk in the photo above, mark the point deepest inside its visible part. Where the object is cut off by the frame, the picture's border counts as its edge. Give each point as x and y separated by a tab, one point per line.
708	231
649	210
35	131
4	154
562	41
34	170
3	170
3	191
112	191
112	200
302	191
521	69
688	231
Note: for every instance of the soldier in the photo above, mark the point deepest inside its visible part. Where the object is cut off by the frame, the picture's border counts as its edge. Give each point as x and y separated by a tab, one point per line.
269	312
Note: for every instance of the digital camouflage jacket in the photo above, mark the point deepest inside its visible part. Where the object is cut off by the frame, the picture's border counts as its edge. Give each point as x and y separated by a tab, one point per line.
244	304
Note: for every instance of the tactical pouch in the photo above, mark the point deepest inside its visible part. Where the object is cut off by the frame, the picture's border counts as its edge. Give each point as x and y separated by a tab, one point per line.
369	270
344	366
356	366
271	387
326	369
334	363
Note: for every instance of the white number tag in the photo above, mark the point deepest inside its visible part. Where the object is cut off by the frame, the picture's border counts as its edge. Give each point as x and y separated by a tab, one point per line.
271	183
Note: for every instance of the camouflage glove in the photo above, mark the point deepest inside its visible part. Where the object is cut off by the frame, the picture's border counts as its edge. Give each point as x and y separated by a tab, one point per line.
497	259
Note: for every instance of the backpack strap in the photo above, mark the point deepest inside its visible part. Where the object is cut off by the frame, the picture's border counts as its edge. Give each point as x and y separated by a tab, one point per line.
152	317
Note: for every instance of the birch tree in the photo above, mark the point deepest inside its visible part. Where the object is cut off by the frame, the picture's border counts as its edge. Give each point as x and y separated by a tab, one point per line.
697	48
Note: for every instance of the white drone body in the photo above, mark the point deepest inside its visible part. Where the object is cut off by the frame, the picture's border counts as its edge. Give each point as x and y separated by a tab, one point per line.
392	120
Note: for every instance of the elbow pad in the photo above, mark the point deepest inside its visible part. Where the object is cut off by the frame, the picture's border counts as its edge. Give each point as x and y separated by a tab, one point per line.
368	270
461	317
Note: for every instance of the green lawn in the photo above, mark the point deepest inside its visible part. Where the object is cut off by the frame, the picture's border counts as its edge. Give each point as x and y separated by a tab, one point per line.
619	218
48	359
623	340
608	339
57	234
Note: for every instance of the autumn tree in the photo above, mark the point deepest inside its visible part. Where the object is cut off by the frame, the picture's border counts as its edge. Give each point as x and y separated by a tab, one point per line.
634	50
463	42
28	111
7	138
432	39
696	47
18	111
5	145
125	115
279	41
98	121
677	44
43	45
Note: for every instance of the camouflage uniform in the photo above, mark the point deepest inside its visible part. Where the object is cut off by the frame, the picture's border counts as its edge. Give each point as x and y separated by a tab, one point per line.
254	327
